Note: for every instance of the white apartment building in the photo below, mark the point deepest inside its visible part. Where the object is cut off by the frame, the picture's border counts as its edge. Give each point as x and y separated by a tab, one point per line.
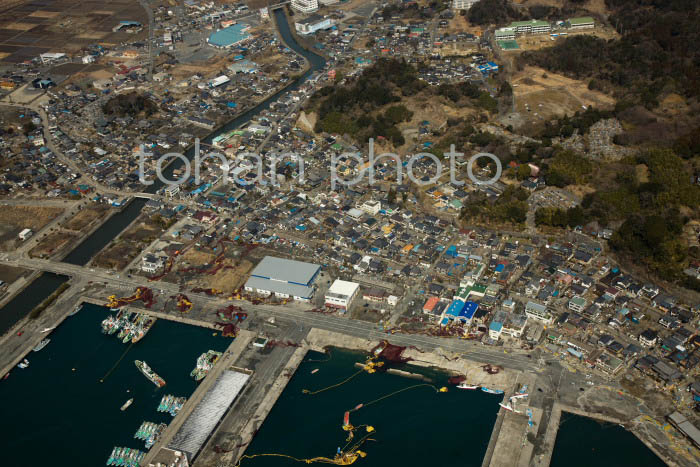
538	312
463	4
341	294
305	6
371	207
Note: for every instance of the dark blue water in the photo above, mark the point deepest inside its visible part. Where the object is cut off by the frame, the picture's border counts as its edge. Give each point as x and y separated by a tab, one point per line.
27	299
54	416
418	427
583	442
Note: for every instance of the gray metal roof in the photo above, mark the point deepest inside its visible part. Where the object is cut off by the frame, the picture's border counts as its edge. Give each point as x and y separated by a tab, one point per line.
201	422
293	290
285	270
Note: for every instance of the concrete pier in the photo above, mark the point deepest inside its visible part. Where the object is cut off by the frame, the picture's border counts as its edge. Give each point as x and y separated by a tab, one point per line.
182	318
226	361
270	399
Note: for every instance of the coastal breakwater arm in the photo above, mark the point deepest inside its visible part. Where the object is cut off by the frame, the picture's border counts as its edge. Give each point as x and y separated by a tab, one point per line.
251	427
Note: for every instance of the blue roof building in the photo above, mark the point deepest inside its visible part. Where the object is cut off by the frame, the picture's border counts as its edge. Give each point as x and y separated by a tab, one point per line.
230	36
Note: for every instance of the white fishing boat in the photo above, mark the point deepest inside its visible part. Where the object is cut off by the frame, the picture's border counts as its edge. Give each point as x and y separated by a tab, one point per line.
127	404
467	386
42	344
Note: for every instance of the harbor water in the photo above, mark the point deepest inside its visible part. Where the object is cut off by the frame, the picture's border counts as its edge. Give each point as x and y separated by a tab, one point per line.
57	412
417	427
583	441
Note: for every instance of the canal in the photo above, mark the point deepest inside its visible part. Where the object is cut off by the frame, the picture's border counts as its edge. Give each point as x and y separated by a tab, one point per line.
45	284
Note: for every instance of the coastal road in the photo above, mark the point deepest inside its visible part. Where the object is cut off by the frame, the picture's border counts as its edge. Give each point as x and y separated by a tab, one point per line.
293	312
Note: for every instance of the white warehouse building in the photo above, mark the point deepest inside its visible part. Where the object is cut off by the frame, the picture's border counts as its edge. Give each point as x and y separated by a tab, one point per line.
283	278
341	294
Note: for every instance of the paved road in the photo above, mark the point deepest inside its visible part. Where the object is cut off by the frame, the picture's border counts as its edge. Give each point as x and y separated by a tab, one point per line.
294	312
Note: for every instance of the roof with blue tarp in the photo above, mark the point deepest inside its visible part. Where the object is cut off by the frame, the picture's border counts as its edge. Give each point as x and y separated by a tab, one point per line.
455	307
469	309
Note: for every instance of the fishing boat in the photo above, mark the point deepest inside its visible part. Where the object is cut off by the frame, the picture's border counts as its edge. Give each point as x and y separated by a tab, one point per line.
42	344
150	374
107	324
23	364
127	404
143	329
509	408
491	391
205	362
467	386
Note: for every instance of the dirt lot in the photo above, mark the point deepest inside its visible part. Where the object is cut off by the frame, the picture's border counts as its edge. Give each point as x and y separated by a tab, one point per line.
117	256
85	217
129	244
225	280
15	218
366	314
10	274
51	244
549	94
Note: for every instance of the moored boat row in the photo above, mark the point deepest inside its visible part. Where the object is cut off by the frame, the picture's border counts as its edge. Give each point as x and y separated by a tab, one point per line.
125	457
171	404
129	327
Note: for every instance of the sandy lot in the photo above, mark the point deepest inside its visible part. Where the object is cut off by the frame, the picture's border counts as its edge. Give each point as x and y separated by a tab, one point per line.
549	94
225	280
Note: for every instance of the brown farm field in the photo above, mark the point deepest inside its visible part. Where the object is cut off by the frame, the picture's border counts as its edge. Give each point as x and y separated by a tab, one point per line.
28	29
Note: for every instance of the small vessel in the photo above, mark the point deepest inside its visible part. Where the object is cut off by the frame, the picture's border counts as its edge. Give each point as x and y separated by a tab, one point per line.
143	329
7	375
509	408
314	371
358	406
467	386
48	329
23	364
76	309
150	374
491	391
205	362
127	404
42	344
518	396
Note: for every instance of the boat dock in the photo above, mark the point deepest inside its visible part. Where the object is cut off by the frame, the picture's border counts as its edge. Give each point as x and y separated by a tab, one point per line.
172	432
155	314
